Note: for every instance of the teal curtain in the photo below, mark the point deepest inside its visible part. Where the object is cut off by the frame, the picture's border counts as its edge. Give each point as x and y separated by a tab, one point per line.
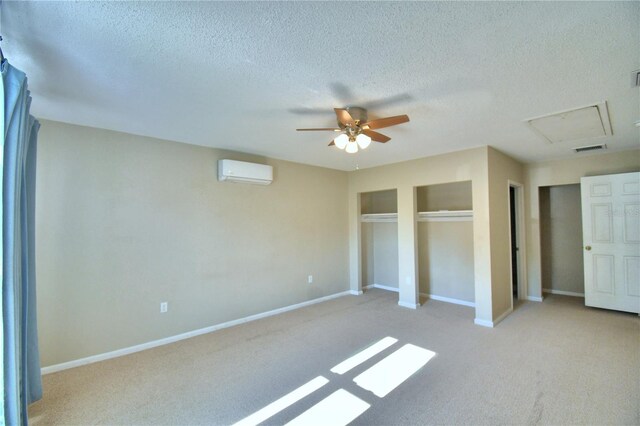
21	381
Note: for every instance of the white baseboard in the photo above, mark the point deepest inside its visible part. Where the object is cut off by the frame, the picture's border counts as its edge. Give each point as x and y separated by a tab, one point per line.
448	300
562	292
534	298
144	346
408	305
483	323
356	292
395	290
384	287
495	322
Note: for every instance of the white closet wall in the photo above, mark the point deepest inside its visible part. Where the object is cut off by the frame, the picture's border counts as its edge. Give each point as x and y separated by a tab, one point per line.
379	228
445	242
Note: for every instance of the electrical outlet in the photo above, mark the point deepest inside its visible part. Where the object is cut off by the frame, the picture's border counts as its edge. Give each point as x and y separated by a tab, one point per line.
164	307
310	279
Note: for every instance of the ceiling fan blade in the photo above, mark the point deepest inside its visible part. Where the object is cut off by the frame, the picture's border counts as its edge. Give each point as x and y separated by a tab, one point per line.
375	136
320	129
385	102
386	122
310	111
332	143
344	117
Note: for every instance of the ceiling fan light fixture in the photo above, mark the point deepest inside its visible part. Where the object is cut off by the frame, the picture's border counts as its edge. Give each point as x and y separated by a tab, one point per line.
341	140
363	140
356	132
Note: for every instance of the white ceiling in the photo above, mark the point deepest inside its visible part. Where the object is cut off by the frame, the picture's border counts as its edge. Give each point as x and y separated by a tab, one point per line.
244	76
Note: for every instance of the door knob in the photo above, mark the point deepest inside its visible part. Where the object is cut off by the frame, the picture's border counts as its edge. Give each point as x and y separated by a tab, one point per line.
587	248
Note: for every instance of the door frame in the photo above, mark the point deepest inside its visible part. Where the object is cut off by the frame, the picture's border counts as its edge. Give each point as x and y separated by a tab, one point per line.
520	240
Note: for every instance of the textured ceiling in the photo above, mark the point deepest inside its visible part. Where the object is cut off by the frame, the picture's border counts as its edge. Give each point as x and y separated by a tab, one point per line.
244	76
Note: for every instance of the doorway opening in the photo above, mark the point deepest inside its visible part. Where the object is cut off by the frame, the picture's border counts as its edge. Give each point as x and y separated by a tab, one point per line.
516	240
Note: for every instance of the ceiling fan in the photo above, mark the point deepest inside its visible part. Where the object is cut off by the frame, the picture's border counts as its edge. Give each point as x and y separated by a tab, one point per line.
355	129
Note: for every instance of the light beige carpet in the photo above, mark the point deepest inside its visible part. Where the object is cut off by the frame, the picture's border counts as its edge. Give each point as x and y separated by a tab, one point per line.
555	362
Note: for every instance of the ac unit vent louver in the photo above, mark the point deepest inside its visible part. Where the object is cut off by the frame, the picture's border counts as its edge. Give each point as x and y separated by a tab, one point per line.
590	148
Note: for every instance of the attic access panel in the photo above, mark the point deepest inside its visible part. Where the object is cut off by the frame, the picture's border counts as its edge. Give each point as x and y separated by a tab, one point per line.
582	123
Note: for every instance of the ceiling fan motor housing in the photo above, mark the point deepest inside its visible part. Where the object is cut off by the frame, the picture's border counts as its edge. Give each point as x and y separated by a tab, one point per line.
359	114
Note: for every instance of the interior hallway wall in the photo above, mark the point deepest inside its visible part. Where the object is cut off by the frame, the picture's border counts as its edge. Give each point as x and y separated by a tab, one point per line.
125	222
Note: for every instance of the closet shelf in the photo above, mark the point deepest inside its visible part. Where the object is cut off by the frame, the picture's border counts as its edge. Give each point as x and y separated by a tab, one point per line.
436	216
446	216
379	217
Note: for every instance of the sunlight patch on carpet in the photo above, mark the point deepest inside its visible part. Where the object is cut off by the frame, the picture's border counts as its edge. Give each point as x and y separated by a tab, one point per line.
342	407
393	370
363	355
284	402
338	409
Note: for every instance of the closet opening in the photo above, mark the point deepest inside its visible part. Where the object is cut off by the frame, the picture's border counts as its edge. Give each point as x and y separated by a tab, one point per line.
561	240
445	243
379	236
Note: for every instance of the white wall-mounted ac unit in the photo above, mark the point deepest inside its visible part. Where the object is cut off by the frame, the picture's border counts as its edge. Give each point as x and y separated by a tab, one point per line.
241	171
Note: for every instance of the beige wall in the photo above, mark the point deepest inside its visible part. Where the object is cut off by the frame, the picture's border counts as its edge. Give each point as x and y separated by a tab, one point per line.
368	254
126	222
380	253
447	196
469	165
385	252
380	202
446	259
561	238
563	172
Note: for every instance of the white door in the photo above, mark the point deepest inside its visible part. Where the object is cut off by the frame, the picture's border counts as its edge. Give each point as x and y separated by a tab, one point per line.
611	238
